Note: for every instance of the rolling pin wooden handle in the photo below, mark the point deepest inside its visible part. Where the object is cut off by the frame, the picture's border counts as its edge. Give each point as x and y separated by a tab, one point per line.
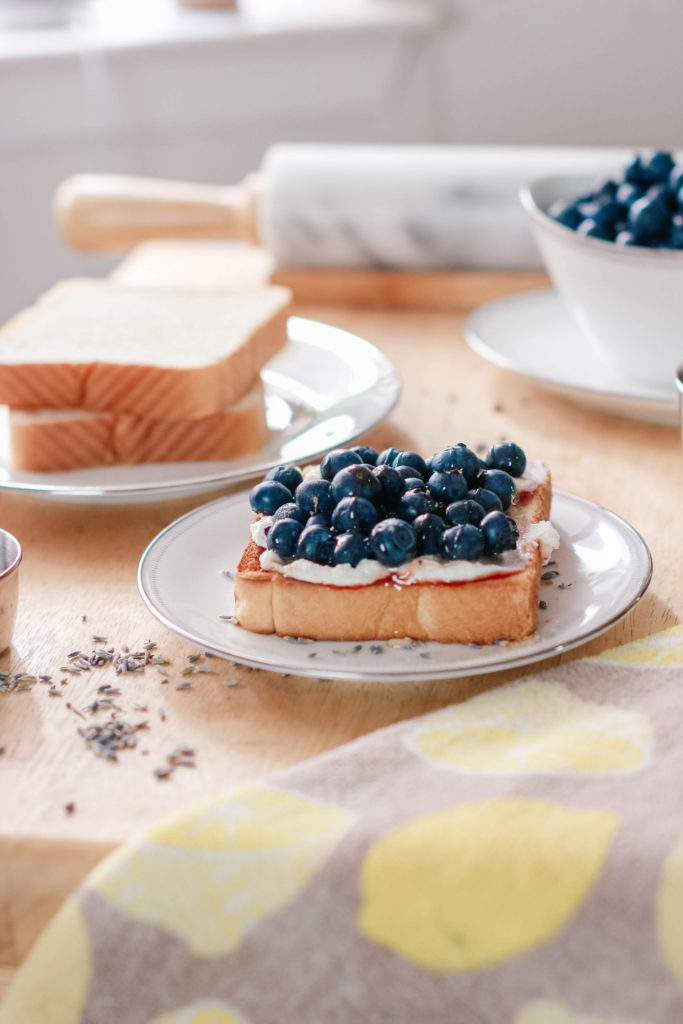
100	212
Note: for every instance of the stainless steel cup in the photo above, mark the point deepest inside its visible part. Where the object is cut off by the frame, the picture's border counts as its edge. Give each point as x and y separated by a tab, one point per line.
10	557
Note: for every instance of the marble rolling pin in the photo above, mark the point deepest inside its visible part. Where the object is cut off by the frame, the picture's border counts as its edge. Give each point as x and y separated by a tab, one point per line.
319	205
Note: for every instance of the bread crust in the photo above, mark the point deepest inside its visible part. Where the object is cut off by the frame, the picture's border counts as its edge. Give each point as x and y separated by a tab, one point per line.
503	607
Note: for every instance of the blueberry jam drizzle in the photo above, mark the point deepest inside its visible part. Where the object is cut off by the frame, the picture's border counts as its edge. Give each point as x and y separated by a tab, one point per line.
393	506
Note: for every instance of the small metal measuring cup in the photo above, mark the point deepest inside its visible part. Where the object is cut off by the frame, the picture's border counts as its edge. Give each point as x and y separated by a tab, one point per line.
10	557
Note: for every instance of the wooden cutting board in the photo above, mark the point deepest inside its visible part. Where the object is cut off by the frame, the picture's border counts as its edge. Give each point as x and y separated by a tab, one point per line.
62	808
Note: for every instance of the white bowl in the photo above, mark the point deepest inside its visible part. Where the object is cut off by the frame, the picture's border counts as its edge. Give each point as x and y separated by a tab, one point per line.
628	300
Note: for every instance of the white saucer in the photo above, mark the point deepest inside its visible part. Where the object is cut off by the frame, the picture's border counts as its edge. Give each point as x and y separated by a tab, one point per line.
534	334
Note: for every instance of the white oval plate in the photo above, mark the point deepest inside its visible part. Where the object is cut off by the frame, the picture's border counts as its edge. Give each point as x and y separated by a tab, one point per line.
535	335
324	388
185	578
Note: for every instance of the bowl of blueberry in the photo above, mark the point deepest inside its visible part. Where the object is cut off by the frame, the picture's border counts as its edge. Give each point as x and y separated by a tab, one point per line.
614	250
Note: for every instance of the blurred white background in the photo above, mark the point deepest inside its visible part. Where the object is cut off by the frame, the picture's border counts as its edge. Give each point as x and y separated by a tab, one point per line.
149	87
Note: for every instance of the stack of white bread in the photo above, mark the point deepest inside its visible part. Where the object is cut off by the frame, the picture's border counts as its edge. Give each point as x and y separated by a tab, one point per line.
98	373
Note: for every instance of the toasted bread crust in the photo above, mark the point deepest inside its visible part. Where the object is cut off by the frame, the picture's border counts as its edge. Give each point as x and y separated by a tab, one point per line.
482	611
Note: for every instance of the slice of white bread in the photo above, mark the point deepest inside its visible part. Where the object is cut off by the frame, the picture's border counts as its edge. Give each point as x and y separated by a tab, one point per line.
58	440
156	354
482	611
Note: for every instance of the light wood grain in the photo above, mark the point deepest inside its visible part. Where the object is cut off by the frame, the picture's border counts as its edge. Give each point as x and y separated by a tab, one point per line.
78	578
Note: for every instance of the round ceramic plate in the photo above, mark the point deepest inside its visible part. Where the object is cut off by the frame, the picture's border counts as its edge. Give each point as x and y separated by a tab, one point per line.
535	335
601	569
324	388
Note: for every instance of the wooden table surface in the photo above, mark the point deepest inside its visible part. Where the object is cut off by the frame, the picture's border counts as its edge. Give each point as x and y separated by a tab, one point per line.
62	808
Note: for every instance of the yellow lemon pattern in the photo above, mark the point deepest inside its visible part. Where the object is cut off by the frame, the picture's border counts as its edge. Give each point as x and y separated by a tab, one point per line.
665	649
474	885
202	1012
535	726
53	984
210	877
669	910
546	1011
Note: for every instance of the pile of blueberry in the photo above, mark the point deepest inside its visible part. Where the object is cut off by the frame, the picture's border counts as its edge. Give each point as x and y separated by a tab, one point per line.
393	506
644	208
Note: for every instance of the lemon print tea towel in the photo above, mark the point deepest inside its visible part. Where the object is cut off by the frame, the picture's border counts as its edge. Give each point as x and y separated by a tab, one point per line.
513	859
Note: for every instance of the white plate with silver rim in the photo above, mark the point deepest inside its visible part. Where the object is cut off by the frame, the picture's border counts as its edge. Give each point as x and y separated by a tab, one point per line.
324	388
600	571
535	335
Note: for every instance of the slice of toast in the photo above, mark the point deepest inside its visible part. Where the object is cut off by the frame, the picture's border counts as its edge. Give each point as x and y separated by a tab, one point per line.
482	611
156	354
59	440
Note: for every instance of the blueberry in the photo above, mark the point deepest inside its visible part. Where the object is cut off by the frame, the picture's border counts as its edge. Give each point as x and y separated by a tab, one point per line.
349	549
676	232
566	213
488	500
627	194
319	519
290	476
502	484
608	213
626	238
315	496
500	532
428	530
354	514
447	487
414	503
337	459
588	208
591	228
290	510
676	177
457	456
648	219
267	496
393	542
412	459
408	473
606	189
368	455
664	193
415	483
316	544
656	165
356	482
464	542
507	456
386	457
633	173
467	511
283	538
392	485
